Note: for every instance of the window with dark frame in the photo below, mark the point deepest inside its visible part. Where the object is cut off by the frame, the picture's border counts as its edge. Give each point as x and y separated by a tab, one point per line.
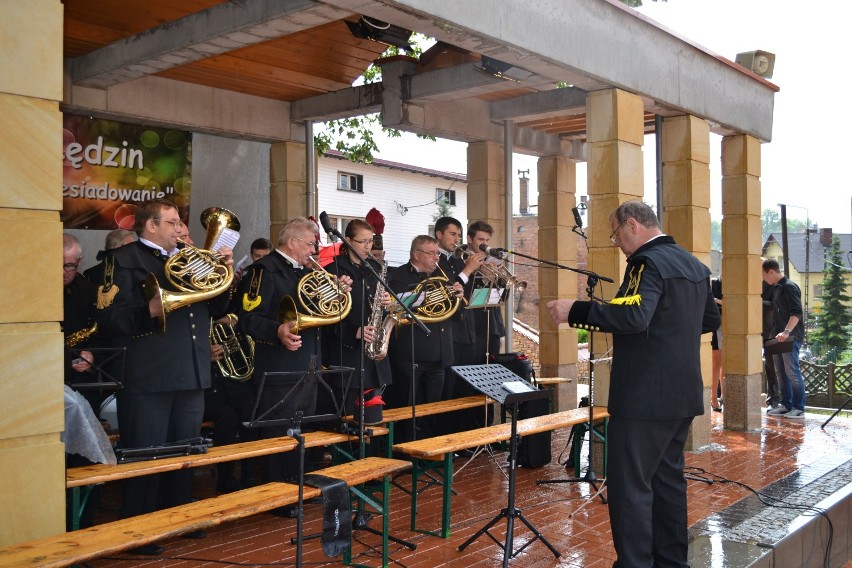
447	194
350	182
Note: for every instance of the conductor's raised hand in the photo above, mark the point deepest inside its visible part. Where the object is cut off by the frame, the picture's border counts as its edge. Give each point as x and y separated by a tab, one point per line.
559	309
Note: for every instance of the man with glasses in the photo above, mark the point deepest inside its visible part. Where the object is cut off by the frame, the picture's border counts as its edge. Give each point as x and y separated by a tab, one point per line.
163	396
79	295
411	347
277	348
661	309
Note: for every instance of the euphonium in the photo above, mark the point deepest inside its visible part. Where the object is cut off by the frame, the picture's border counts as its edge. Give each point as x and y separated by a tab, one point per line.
198	274
237	361
321	298
494	275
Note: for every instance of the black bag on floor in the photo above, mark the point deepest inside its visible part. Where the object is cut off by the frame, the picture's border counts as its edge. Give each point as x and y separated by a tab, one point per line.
534	450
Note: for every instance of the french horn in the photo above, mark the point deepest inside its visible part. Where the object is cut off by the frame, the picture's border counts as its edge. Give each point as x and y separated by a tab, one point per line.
439	303
321	299
198	273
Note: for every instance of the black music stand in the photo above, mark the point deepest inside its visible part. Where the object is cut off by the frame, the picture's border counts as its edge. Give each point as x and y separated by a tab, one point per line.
294	425
836	412
104	379
500	384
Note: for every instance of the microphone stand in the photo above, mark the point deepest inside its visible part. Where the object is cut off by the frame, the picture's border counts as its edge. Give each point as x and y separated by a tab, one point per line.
362	519
592	279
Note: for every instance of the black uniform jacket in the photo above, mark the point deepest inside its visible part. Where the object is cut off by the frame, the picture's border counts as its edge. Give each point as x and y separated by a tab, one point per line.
263	286
663	306
176	360
339	339
78	310
462	321
438	345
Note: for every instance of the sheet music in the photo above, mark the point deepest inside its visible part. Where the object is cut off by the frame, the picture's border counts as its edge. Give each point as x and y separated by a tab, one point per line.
409	299
228	238
244	261
517	387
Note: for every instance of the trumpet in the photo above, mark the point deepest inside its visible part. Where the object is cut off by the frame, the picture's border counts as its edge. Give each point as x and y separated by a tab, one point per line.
494	275
198	274
321	298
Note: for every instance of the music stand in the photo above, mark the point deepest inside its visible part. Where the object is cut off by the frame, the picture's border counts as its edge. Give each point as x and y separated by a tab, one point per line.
103	377
500	384
294	425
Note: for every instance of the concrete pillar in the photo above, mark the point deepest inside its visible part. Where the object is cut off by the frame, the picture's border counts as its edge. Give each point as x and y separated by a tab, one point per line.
741	275
557	190
686	205
486	189
32	458
615	137
287	189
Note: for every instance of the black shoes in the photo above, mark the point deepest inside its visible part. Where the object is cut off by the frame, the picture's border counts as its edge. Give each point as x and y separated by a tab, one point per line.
148	550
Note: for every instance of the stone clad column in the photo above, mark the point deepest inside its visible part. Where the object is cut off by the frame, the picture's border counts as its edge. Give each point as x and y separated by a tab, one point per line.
557	189
742	353
486	189
615	136
32	457
686	217
287	178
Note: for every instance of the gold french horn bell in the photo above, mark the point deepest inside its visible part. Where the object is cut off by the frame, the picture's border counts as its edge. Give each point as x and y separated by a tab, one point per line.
321	298
198	273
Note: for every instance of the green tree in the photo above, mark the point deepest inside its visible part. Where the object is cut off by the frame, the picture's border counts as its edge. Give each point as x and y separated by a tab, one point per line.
832	333
770	220
716	235
444	208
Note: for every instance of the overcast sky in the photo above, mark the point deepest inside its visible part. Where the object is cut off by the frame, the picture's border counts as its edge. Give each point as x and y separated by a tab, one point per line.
805	165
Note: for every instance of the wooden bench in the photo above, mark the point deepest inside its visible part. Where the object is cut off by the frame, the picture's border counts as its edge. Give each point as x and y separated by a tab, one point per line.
436	454
79	546
391	416
80	480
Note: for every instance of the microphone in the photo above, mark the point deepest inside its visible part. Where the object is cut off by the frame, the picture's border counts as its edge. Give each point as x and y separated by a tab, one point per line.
329	230
578	221
495	252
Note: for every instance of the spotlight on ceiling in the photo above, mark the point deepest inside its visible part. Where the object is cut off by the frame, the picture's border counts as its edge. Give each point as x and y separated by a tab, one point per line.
758	62
503	70
382	32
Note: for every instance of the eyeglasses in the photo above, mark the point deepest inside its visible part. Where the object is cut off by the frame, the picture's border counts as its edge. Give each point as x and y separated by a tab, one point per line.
175	224
614	234
312	244
70	266
432	253
363	241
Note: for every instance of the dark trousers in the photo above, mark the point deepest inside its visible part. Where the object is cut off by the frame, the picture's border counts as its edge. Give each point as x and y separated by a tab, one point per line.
647	492
428	385
773	394
154	419
283	401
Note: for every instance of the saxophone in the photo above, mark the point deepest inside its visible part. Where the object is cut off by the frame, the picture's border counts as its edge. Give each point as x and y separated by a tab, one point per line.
378	348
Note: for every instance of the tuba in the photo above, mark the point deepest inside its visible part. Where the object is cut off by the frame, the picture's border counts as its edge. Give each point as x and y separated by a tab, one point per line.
198	274
494	275
321	298
237	360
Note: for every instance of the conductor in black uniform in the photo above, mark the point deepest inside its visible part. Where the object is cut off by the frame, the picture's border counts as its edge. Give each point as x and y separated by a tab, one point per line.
342	343
661	309
166	373
277	349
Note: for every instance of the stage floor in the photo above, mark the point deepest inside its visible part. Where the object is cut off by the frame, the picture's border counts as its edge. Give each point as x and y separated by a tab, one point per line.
793	460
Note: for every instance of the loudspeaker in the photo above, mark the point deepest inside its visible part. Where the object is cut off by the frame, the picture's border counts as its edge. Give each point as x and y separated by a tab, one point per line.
758	62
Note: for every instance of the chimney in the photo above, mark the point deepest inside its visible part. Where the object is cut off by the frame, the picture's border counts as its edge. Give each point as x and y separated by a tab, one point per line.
825	237
525	192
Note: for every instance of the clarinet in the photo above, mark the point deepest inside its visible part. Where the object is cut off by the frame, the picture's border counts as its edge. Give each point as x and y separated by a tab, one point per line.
378	349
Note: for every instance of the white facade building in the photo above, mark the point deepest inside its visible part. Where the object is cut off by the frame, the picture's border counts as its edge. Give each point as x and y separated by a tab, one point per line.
406	195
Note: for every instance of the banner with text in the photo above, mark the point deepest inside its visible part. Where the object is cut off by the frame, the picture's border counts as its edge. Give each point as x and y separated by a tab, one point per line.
108	167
